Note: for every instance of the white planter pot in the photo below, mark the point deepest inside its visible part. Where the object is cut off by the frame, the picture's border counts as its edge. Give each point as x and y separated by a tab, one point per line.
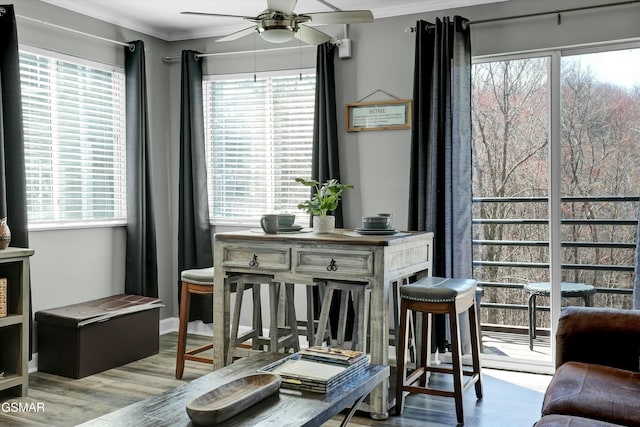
324	224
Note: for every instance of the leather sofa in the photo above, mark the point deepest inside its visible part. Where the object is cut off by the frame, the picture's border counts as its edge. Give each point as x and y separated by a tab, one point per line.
597	378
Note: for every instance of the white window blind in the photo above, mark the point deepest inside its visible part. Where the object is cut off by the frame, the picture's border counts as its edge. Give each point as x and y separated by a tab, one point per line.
258	140
74	128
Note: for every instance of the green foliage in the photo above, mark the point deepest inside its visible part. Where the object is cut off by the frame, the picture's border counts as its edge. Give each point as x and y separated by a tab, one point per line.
326	197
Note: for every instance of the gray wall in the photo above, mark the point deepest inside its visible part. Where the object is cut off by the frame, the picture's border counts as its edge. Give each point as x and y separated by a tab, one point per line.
76	265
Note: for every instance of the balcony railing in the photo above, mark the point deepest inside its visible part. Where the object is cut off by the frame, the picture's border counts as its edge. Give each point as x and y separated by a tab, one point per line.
531	268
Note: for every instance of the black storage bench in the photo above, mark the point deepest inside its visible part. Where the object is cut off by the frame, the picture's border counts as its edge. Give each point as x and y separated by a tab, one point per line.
83	339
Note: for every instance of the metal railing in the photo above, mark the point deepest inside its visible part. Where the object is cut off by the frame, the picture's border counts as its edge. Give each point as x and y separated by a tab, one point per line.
513	265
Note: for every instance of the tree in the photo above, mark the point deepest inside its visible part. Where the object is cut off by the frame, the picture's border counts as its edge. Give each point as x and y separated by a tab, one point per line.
509	138
599	158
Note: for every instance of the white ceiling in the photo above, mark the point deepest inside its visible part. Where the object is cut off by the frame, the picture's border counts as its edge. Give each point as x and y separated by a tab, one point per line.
162	18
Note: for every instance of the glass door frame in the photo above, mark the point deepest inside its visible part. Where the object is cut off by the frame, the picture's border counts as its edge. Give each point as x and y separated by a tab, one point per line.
553	128
555	196
554	186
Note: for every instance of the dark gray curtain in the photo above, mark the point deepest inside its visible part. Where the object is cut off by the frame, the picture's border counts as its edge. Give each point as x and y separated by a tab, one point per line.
636	275
325	162
13	189
141	277
440	175
194	230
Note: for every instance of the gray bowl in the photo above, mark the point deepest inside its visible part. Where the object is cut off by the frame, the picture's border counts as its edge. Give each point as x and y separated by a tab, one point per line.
376	222
286	220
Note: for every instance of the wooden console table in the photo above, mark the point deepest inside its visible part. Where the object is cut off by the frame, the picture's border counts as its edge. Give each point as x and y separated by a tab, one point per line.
303	258
287	408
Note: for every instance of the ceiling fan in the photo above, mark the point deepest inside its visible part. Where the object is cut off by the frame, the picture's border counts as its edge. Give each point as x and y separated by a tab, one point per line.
279	23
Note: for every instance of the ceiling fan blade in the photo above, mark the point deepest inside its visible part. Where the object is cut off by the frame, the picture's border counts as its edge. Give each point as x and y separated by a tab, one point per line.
343	17
238	34
284	6
218	14
311	35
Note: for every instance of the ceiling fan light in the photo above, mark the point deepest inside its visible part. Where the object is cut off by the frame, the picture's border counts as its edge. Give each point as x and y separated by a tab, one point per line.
277	35
277	29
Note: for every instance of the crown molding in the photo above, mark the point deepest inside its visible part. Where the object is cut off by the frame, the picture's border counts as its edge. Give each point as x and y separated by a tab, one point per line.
175	34
424	7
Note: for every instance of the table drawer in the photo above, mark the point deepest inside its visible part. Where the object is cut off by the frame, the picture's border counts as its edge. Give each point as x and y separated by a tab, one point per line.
338	262
259	257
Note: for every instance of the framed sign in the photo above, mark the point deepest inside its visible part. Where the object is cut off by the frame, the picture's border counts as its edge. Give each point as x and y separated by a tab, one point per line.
380	115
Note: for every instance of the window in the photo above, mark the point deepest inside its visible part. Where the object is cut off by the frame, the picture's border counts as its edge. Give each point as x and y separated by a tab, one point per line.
74	128
258	140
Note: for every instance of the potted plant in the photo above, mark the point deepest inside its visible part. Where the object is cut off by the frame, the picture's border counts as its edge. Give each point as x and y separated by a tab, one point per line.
325	199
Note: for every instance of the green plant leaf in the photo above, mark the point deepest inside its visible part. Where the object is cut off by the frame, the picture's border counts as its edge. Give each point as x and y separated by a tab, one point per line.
326	197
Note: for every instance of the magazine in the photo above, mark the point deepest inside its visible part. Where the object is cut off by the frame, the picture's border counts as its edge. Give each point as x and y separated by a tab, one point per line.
332	355
314	375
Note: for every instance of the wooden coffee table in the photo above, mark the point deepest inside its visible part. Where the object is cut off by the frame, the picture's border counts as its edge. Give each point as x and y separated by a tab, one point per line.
286	408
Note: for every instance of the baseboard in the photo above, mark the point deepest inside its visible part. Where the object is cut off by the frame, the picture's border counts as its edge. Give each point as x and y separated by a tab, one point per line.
169	325
33	363
196	327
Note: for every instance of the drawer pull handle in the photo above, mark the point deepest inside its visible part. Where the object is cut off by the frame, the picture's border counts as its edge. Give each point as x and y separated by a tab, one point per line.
332	265
254	261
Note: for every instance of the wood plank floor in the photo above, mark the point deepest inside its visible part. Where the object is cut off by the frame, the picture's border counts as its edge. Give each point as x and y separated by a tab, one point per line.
516	346
511	399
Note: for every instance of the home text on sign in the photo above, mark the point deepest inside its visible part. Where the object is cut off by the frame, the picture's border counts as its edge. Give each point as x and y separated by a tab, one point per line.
378	116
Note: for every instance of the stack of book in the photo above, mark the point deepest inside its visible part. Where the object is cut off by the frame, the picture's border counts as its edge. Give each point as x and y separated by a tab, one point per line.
338	356
318	369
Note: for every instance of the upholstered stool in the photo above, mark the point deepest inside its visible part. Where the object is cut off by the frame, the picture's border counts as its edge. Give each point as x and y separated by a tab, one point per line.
197	281
360	295
281	337
435	295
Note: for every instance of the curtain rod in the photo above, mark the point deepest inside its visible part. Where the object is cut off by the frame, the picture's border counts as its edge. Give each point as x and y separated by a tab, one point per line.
243	52
60	27
551	12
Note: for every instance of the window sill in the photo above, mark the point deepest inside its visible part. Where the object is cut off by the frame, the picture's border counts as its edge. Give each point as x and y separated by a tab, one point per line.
235	223
70	225
247	223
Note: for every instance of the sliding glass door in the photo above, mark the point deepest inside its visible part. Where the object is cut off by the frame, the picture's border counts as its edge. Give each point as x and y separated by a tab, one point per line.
600	173
556	182
511	121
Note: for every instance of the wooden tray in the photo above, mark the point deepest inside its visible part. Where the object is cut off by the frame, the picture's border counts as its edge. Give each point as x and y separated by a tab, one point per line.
232	398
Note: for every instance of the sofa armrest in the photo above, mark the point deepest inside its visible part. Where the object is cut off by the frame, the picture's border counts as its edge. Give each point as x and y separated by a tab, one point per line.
603	336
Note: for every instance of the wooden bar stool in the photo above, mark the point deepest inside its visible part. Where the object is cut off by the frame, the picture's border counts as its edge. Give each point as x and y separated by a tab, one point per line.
435	295
309	326
394	331
281	337
360	294
240	283
197	281
283	327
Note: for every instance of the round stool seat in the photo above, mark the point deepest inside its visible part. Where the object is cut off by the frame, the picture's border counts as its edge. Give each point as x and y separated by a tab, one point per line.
198	276
568	289
438	289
